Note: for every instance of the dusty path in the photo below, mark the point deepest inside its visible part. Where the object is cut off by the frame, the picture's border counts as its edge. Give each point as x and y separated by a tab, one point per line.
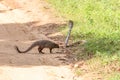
23	22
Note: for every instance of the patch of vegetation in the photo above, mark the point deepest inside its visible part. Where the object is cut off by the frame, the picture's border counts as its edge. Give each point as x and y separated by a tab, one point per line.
97	22
114	76
78	72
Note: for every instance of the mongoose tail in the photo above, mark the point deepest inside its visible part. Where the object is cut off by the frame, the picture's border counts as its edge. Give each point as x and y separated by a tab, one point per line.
18	50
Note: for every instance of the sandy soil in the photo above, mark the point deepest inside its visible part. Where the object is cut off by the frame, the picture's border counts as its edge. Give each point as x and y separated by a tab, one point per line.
25	21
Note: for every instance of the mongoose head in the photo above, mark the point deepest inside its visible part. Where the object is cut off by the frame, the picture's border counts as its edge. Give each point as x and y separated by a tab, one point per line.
56	45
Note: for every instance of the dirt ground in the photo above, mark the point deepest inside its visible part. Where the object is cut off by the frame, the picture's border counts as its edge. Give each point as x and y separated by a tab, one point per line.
23	22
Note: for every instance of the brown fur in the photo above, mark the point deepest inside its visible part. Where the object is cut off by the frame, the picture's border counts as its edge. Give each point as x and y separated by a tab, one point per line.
41	45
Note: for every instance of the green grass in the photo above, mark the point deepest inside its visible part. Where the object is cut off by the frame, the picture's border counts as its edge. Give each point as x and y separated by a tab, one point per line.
97	22
114	76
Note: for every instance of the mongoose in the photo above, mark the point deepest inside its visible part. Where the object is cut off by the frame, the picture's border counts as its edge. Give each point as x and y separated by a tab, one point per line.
41	45
70	25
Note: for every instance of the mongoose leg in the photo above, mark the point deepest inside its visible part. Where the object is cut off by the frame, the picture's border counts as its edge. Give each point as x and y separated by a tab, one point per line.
50	50
40	50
